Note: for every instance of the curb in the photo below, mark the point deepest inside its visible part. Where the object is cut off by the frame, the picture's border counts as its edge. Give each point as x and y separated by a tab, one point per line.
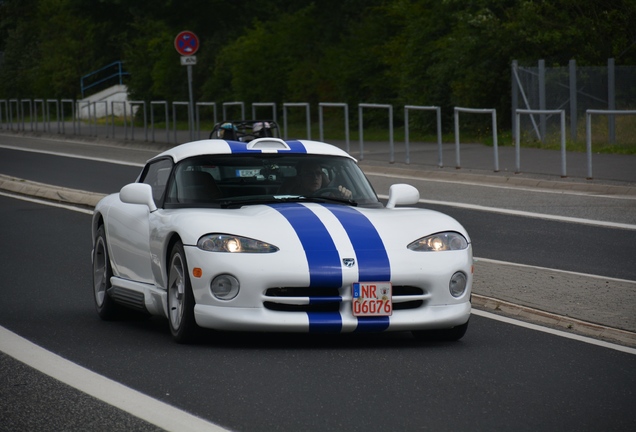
548	319
52	193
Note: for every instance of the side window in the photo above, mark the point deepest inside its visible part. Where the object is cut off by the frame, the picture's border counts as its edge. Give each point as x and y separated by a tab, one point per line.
157	177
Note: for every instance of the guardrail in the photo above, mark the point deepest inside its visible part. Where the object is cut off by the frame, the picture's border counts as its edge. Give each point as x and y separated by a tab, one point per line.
35	114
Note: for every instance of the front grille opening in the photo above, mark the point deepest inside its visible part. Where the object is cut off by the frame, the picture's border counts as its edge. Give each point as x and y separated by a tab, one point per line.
302	292
313	292
399	290
407	305
325	307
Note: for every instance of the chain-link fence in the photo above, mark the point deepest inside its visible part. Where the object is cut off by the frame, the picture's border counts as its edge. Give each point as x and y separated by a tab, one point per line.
575	89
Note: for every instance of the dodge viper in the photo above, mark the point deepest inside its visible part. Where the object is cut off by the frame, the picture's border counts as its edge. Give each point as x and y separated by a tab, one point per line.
278	236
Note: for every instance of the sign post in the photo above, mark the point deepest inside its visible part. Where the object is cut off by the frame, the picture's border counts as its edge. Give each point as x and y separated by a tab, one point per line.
187	44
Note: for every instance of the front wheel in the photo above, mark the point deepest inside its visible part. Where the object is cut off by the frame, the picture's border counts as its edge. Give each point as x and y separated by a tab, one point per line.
180	297
442	335
106	307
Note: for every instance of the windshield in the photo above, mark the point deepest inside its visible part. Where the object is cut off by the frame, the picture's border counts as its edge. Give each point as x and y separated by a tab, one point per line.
236	180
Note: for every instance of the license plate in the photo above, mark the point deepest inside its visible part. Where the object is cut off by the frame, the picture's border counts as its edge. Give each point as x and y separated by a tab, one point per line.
372	299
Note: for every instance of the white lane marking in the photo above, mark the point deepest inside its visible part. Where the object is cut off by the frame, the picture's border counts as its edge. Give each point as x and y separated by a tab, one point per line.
508	263
568	219
537	189
560	333
74	156
98	386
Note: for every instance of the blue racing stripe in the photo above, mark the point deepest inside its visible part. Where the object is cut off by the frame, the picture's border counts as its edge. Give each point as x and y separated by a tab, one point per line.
295	147
373	261
325	322
372	324
240	147
323	259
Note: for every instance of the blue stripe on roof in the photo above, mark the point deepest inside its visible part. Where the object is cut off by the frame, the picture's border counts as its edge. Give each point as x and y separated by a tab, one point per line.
241	147
323	259
295	147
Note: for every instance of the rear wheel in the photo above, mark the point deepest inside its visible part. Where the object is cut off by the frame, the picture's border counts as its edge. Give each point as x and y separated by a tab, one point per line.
183	326
106	308
444	335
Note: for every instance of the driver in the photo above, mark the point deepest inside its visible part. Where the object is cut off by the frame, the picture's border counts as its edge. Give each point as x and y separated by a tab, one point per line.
311	178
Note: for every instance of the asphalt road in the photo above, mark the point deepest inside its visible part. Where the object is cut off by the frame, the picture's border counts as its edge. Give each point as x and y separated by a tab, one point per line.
499	376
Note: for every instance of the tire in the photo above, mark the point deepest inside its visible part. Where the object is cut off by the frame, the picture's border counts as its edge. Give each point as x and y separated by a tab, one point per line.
442	335
183	326
106	307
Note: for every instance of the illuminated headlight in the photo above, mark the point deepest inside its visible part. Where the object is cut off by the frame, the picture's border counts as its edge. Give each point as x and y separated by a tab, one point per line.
443	241
233	244
457	284
224	287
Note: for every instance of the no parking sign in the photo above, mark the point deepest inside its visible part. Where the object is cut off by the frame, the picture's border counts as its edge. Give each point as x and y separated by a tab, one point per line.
186	43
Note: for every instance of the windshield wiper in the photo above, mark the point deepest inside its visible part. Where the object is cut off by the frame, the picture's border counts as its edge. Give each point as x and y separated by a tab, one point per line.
323	199
286	198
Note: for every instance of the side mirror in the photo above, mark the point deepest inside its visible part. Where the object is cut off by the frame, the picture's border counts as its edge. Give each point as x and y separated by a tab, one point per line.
402	194
138	193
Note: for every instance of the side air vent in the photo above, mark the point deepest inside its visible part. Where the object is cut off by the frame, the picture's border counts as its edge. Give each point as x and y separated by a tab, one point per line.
129	298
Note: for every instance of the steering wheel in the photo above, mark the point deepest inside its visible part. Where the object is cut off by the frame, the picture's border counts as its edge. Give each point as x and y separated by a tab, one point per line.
328	191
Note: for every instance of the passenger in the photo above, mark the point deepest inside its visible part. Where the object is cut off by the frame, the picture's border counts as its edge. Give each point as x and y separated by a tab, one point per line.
262	129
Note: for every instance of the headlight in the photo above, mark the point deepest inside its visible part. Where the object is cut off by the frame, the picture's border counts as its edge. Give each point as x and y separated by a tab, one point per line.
443	241
233	244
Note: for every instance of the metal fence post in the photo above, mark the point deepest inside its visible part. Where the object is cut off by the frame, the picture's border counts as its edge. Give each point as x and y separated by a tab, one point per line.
264	104
439	131
174	117
6	113
611	100
48	114
152	119
198	116
132	119
72	104
307	115
391	144
493	113
228	104
322	105
573	95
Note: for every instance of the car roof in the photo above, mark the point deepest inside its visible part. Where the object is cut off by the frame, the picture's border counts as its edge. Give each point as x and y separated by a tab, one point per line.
261	145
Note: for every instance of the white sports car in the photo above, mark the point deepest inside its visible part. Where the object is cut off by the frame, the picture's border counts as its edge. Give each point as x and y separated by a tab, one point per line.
274	235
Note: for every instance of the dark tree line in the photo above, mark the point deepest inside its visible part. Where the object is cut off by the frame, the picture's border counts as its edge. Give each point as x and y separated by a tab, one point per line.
423	52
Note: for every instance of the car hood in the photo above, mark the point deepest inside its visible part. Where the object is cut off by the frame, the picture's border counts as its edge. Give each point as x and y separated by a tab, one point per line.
314	226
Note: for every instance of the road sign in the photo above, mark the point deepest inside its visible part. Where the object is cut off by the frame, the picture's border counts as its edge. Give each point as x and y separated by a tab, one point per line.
188	60
186	43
